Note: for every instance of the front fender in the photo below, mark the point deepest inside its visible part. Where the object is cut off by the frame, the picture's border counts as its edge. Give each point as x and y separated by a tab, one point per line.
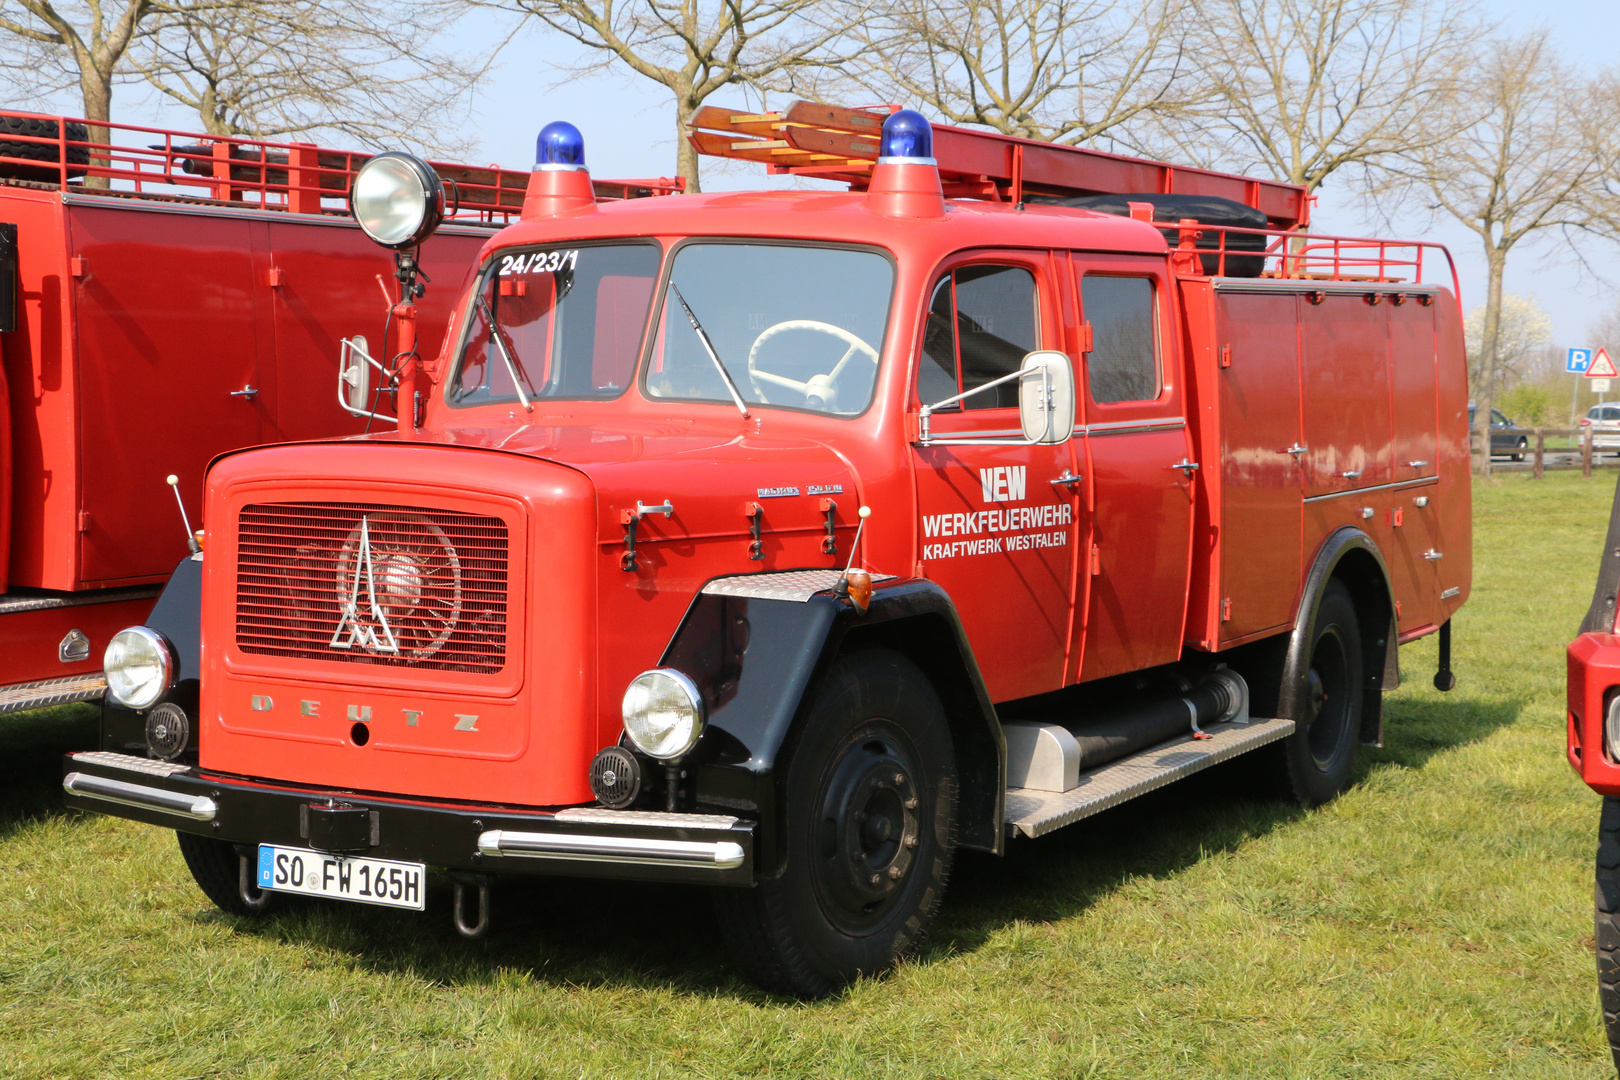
177	615
759	662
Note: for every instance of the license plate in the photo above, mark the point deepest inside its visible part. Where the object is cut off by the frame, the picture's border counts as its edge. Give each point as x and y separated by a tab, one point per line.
340	877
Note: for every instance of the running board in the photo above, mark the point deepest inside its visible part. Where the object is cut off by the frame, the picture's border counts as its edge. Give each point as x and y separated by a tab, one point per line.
1036	813
21	697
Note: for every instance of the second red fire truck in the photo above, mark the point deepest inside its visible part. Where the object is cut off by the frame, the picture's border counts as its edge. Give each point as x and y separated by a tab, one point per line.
789	542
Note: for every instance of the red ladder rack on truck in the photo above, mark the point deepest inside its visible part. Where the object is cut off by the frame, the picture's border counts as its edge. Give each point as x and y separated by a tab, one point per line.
787	541
190	305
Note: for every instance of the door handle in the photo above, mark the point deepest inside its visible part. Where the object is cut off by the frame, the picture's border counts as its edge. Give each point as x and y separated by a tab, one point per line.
1432	555
1351	474
247	391
1297	449
1185	466
1068	478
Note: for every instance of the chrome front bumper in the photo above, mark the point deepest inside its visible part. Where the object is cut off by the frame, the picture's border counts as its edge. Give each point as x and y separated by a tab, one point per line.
583	841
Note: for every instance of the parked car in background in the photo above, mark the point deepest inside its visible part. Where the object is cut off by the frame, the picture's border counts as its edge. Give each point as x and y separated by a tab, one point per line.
1506	436
1604	420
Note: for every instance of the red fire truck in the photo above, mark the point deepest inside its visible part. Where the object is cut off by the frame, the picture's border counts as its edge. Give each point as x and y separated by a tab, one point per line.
787	542
1593	749
166	297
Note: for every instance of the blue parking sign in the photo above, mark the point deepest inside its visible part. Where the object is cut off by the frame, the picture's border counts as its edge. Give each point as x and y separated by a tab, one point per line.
1577	361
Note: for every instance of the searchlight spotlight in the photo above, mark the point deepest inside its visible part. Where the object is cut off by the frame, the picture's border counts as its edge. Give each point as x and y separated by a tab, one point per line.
398	199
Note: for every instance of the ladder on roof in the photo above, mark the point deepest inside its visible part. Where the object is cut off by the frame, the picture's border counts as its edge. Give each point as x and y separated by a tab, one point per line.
836	143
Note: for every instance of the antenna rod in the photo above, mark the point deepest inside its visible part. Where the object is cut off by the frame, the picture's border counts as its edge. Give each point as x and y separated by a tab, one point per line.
863	513
191	538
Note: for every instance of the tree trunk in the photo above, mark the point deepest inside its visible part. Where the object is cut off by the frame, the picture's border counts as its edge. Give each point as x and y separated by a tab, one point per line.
1496	261
96	89
686	155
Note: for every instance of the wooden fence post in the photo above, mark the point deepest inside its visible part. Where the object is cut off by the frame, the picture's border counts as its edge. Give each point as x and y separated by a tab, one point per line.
1540	445
1586	452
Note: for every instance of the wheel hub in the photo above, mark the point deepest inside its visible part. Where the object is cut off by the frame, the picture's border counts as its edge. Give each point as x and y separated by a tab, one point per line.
870	822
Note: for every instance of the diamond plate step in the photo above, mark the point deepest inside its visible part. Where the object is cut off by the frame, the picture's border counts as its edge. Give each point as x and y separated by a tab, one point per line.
1035	813
37	695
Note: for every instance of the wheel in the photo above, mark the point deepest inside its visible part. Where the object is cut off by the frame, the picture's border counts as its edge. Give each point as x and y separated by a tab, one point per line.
1518	453
1606	919
869	827
216	868
1321	751
34	127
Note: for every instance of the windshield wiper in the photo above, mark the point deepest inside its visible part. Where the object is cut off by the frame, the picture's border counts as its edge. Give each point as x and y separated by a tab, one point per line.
708	347
500	346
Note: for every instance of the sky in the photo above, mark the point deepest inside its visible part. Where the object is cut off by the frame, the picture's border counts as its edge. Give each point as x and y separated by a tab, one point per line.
627	122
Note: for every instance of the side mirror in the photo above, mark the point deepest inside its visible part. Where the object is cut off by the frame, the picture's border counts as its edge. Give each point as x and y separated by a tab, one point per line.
1046	397
354	378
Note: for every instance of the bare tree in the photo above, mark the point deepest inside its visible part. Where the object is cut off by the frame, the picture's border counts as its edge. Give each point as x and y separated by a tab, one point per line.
695	47
274	68
1054	70
1304	88
83	40
1530	156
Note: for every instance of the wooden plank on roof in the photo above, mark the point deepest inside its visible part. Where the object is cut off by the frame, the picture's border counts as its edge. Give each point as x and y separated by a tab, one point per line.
815	114
837	143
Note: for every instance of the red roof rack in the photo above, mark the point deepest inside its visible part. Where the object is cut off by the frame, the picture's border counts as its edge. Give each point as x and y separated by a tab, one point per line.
156	163
837	143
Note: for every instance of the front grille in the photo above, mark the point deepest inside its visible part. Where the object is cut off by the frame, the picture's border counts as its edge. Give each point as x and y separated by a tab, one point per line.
370	584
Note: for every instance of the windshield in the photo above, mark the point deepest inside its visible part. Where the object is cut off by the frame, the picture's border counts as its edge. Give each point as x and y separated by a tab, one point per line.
569	323
799	327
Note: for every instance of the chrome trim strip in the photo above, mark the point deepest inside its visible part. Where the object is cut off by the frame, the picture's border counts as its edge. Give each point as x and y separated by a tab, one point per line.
796	585
1449	593
1126	427
1416	481
1301	285
11	605
183	204
21	697
129	763
628	850
598	815
196	807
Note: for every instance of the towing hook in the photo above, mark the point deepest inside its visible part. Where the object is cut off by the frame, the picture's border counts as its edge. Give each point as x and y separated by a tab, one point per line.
253	898
458	904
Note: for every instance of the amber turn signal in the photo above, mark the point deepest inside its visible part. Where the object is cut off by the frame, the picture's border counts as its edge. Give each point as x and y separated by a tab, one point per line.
858	588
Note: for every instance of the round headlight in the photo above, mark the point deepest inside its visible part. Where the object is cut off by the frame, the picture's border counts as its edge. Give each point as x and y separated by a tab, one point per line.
663	713
397	199
139	665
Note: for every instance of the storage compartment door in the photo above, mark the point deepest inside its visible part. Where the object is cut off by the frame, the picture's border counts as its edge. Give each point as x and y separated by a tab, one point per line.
1344	353
166	333
1261	510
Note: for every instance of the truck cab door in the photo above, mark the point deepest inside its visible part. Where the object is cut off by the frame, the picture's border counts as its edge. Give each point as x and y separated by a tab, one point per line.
1140	471
997	521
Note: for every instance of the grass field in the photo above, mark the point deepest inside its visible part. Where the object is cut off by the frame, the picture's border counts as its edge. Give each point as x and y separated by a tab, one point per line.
1434	921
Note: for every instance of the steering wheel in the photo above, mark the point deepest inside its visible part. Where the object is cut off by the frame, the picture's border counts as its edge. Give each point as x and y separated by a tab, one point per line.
820	391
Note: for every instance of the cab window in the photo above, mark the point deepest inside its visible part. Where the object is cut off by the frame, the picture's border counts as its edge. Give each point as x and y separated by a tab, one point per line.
1123	364
981	322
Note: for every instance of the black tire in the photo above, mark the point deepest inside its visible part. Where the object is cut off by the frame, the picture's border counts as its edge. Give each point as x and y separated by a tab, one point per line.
1606	920
1321	752
870	829
216	868
1518	453
32	151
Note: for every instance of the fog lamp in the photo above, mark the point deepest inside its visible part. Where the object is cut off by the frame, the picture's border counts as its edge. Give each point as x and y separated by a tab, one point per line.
398	199
139	665
663	713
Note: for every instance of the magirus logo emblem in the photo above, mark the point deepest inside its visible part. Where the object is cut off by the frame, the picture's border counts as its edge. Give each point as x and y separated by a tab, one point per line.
399	587
372	633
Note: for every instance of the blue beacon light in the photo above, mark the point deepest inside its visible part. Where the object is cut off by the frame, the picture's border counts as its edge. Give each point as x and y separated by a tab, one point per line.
560	147
908	139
